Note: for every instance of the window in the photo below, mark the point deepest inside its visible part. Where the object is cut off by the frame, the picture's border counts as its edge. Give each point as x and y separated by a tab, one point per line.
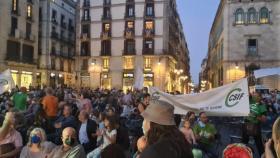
28	30
86	3
150	9
130	25
252	46
130	46
85	49
27	53
85	29
29	11
13	50
239	16
264	15
106	12
106	2
15	5
147	63
62	19
130	11
105	63
85	64
128	63
53	15
14	25
149	25
40	14
252	16
106	27
149	44
86	14
106	48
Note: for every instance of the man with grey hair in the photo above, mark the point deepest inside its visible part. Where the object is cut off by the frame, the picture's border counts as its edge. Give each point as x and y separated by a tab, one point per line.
70	147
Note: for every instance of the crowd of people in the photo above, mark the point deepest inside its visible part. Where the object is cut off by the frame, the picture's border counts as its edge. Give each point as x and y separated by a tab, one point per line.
100	123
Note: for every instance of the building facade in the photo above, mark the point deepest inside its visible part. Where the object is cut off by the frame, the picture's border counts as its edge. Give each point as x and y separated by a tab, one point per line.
19	40
57	20
117	37
244	37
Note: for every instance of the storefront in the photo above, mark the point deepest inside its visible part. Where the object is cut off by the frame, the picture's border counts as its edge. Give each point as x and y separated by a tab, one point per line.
85	79
106	81
128	80
23	78
148	79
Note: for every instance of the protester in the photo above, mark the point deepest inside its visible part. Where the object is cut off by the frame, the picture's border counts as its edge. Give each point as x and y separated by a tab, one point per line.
37	146
87	132
70	147
20	99
272	147
10	138
146	99
109	136
50	106
163	138
205	133
252	126
188	132
65	120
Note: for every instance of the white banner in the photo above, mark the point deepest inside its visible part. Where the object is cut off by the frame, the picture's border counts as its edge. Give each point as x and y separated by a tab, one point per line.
6	81
229	100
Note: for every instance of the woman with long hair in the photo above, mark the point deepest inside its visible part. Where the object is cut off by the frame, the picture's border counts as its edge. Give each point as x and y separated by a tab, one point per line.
162	138
37	146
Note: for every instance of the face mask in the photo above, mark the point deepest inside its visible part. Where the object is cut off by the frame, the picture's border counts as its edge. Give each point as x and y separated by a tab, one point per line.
69	141
35	139
201	124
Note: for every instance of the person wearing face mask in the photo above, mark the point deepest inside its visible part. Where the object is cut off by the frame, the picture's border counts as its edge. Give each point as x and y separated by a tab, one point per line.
161	136
70	147
37	146
205	133
272	147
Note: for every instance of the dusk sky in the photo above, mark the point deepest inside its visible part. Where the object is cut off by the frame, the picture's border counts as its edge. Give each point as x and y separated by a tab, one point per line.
197	17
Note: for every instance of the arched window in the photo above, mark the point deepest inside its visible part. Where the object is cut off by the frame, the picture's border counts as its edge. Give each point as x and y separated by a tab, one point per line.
239	16
252	16
264	15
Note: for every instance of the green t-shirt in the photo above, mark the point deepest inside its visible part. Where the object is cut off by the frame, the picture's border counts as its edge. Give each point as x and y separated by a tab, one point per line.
20	101
205	133
256	110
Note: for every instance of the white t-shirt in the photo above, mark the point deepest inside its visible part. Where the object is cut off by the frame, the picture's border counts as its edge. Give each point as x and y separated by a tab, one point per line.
106	141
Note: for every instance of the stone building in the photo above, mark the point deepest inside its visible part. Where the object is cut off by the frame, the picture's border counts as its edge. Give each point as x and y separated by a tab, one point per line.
116	37
244	37
57	42
19	40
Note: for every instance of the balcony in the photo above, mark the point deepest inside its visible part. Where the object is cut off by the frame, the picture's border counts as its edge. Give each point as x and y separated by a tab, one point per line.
54	21
16	33
105	35
86	4
54	35
107	2
85	36
71	28
129	33
106	17
148	33
86	19
105	53
85	53
63	25
129	52
30	37
147	51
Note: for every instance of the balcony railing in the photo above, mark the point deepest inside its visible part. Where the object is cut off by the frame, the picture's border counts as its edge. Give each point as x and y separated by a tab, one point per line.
148	33
107	2
54	21
85	53
105	35
84	19
85	36
63	25
147	51
30	37
129	52
54	35
16	33
105	53
107	17
129	33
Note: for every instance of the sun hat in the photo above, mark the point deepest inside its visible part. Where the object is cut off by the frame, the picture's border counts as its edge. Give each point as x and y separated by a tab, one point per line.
237	150
160	112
